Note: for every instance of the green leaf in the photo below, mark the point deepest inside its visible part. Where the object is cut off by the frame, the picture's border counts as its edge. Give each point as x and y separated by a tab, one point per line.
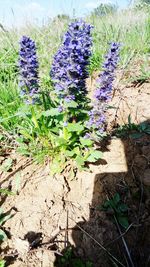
95	155
123	207
86	142
77	263
129	119
1	211
89	264
69	153
147	129
57	164
3	236
6	166
106	204
80	161
123	221
143	126
17	182
116	199
55	129
75	127
2	263
76	150
71	104
4	218
135	135
6	192
26	135
20	139
51	112
1	137
23	149
111	107
60	141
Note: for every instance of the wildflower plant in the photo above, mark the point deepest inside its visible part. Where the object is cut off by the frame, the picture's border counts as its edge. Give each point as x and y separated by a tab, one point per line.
69	68
28	66
103	92
60	127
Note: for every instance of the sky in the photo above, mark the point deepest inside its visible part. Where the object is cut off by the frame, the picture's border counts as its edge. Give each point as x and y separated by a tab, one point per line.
18	12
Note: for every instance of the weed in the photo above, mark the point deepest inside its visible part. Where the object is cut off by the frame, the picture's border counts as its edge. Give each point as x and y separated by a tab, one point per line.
117	209
69	259
144	75
132	130
3	218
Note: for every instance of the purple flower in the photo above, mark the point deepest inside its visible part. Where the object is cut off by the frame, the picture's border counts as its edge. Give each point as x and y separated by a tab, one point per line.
60	108
28	66
65	124
104	90
69	68
105	80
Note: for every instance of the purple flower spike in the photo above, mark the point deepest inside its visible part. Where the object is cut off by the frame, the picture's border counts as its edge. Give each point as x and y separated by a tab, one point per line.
69	68
104	89
106	78
28	66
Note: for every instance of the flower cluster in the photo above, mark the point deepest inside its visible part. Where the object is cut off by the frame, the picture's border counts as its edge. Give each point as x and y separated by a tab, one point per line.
105	81
69	68
104	89
28	66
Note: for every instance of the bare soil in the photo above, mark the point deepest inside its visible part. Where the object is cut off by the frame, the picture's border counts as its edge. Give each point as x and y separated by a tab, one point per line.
48	213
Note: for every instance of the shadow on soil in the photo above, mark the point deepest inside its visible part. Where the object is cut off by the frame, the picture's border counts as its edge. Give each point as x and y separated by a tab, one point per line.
129	246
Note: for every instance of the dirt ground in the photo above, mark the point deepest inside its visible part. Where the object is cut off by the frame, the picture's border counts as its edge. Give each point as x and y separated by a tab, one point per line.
48	213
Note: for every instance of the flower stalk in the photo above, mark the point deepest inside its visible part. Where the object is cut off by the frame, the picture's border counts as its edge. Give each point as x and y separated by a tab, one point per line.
28	67
69	68
103	92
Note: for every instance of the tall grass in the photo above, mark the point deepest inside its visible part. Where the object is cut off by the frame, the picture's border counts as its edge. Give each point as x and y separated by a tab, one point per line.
129	27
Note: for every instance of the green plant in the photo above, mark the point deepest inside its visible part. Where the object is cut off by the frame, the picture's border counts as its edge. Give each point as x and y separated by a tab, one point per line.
3	219
126	129
2	263
55	124
118	210
69	259
132	130
45	134
144	75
